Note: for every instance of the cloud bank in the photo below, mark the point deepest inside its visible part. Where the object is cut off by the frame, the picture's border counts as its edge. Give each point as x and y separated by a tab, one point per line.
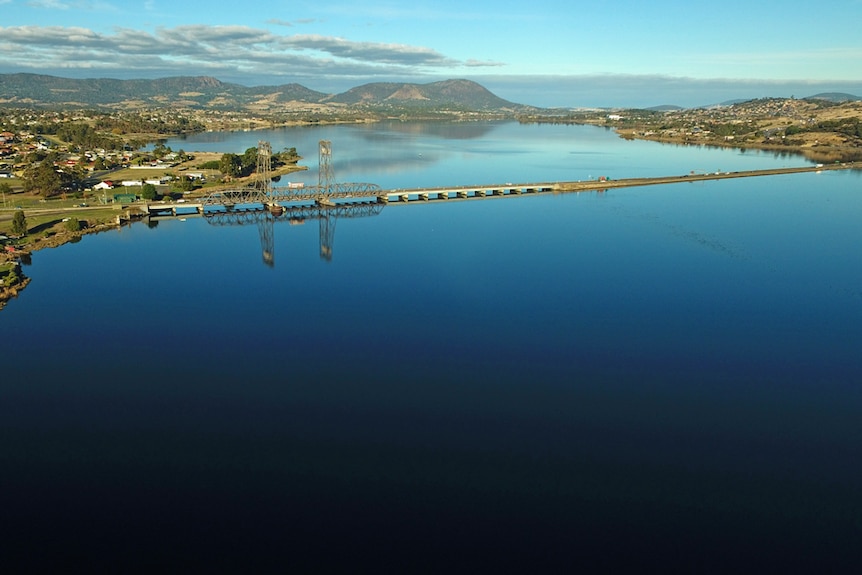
259	57
212	50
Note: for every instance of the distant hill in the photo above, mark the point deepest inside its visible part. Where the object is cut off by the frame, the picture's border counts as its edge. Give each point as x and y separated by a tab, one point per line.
198	91
665	108
204	92
834	97
734	102
461	94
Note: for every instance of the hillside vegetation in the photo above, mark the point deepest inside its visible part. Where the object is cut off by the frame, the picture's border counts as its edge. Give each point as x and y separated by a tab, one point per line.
206	93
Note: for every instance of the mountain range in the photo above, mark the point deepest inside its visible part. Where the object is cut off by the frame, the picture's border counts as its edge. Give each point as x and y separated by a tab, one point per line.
208	93
204	92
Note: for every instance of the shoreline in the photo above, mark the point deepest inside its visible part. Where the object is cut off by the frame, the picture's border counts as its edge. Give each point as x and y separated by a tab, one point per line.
8	293
819	153
64	236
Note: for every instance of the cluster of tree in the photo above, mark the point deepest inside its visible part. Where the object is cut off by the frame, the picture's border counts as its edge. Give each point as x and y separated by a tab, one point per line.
43	177
179	186
143	123
82	136
236	165
848	126
735	129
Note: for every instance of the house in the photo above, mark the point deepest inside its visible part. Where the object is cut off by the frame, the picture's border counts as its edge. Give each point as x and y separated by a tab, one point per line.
106	185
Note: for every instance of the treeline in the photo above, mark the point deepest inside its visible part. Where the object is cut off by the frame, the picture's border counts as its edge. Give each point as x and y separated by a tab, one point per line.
100	130
243	165
848	126
83	136
148	124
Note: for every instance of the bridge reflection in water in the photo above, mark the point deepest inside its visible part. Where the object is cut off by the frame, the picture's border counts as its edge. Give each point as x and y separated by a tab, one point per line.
263	205
266	217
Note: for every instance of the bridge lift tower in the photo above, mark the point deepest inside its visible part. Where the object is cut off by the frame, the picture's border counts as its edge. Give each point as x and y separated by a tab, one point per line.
325	208
263	183
325	183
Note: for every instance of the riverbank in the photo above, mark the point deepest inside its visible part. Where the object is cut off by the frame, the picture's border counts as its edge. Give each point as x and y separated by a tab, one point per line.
820	148
12	259
821	131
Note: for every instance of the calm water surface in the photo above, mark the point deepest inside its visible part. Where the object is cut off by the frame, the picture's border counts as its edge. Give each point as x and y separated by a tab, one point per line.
668	373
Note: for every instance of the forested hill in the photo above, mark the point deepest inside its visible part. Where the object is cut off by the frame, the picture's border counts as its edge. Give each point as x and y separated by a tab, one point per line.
203	92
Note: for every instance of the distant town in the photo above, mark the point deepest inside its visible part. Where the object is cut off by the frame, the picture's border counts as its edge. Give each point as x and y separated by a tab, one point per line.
822	130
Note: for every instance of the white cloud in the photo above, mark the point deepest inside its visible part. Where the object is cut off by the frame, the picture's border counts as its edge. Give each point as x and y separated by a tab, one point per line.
184	48
49	4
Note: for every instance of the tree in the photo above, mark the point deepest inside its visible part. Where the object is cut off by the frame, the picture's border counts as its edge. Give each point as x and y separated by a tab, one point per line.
5	188
249	161
73	225
148	191
43	177
19	223
287	156
184	184
230	165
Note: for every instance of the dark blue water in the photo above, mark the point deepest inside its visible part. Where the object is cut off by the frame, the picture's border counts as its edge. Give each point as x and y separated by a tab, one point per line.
667	375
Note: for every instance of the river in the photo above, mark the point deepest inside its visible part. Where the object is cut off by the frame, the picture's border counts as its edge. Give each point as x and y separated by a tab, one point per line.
668	374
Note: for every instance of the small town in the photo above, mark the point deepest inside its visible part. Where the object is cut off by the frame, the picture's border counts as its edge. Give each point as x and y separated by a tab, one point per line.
822	130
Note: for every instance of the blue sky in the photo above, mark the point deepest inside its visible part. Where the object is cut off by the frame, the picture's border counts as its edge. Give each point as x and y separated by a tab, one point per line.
540	52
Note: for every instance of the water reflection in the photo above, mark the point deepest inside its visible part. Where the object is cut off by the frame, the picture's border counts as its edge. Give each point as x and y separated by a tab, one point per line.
265	219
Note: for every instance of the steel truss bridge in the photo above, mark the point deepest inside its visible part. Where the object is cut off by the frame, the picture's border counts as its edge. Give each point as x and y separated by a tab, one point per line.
262	191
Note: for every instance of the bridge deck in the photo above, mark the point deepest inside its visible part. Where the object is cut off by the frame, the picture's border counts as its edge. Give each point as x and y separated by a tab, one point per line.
346	193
